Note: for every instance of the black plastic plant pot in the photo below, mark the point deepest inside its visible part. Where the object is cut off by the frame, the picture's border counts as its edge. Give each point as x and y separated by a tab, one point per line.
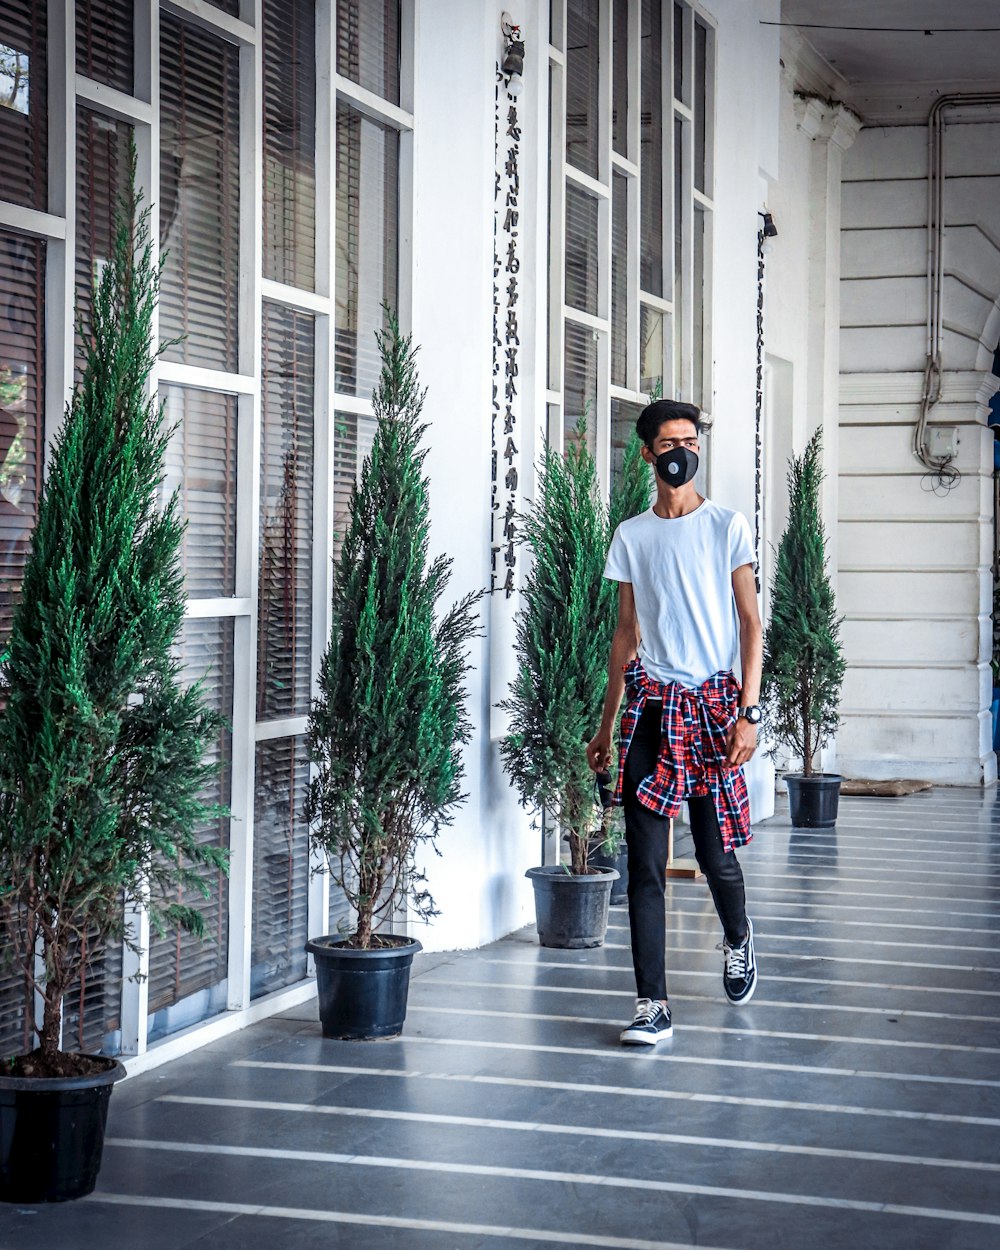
52	1134
571	913
362	994
814	800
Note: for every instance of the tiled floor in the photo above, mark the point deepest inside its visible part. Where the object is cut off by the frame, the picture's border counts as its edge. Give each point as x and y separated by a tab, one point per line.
855	1103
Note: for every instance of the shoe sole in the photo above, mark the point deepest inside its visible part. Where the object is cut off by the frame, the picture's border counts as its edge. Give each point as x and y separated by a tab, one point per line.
645	1039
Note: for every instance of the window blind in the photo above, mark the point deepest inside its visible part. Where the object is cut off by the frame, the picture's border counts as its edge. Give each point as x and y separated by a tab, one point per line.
102	146
651	152
199	195
581	249
284	662
619	280
581	382
201	465
22	321
368	45
290	142
583	55
619	90
367	249
24	103
104	41
280	866
181	965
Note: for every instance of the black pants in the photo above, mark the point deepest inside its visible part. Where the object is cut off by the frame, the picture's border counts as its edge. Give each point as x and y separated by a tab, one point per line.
646	838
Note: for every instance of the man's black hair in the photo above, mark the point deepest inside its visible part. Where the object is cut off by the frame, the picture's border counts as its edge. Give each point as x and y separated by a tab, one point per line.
654	415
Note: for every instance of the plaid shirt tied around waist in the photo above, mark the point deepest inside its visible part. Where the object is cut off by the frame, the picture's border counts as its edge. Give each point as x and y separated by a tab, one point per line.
692	761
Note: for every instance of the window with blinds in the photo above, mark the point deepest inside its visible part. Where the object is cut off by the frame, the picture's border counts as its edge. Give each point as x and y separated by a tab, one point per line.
651	152
280	866
368	45
290	142
201	464
284	662
583	64
199	195
22	322
367	230
24	103
619	77
187	975
15	1026
104	41
581	381
102	155
581	250
619	280
92	1010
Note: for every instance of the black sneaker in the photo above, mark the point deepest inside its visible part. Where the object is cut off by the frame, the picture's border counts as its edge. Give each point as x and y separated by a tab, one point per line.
651	1023
739	968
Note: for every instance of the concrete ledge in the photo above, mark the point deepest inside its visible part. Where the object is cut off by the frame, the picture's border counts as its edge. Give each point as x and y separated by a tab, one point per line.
939	770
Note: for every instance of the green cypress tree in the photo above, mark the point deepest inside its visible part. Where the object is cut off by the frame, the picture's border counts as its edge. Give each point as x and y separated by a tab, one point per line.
803	661
563	632
632	489
387	729
102	744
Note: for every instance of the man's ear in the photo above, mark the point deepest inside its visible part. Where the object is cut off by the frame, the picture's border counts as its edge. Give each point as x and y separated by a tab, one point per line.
647	455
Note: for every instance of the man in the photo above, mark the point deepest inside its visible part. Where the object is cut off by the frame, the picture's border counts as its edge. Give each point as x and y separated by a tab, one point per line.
687	602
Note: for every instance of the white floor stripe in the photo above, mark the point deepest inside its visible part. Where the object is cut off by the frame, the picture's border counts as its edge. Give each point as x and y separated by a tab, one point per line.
805	893
758	1065
839	1038
806	958
356	1219
754	868
565	1178
580	1130
628	1091
678	904
893	1010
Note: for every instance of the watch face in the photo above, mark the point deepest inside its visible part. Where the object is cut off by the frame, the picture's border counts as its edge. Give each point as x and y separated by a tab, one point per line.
752	714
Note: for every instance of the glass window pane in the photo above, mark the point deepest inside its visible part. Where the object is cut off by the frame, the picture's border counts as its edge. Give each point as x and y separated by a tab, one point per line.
24	104
199	194
619	97
201	465
623	418
619	280
92	1009
700	103
188	975
651	350
580	393
22	321
290	142
280	866
104	38
352	441
581	249
680	293
232	7
698	395
582	84
102	156
284	667
368	45
678	52
651	154
367	244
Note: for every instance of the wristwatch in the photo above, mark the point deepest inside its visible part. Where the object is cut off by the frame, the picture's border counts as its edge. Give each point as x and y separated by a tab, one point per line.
751	713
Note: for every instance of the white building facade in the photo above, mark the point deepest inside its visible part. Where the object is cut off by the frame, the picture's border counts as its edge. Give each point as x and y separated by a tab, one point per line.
558	253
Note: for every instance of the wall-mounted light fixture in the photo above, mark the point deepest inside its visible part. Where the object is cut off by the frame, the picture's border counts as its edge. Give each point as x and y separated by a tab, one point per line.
513	61
769	230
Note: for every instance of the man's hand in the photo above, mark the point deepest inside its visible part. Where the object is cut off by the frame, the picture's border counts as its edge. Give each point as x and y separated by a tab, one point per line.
741	743
599	751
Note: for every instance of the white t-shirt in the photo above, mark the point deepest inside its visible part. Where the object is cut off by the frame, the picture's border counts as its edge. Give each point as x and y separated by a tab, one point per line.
681	571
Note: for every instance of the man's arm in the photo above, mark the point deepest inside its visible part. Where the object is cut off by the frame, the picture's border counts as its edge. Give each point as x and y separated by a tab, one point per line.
742	741
624	647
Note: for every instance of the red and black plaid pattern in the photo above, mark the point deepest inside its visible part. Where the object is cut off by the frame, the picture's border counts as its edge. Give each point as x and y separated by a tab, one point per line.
694	727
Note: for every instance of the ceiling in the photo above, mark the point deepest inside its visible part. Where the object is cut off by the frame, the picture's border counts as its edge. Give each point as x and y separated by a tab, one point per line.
879	64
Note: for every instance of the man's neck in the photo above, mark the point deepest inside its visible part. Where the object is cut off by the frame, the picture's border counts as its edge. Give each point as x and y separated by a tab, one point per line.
676	501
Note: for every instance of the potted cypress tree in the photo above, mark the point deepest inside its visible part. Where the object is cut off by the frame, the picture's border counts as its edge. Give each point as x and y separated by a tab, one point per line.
568	615
387	728
102	744
803	660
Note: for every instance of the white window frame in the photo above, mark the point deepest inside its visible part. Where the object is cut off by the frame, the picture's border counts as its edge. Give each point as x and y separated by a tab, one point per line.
67	88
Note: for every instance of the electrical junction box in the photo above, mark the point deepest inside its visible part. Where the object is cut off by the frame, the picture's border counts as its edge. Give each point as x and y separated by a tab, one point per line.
942	440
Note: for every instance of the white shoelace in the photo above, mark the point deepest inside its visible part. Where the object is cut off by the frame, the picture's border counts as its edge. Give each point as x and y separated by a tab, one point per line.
736	960
645	1011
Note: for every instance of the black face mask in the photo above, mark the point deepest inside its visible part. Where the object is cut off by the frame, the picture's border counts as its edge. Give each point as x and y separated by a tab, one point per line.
678	466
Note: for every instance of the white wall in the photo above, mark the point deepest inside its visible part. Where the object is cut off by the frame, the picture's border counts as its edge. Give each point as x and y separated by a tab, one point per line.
915	575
